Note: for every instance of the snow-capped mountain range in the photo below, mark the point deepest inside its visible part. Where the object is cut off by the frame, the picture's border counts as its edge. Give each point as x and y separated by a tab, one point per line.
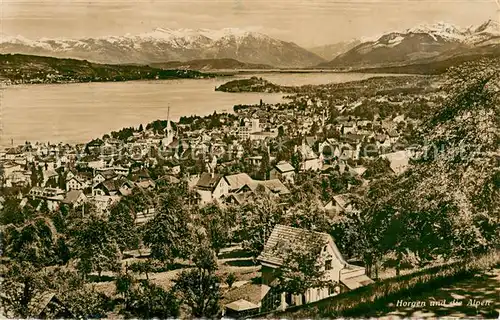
162	45
419	43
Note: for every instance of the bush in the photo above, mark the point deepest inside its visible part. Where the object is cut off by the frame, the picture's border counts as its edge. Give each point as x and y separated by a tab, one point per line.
150	301
230	279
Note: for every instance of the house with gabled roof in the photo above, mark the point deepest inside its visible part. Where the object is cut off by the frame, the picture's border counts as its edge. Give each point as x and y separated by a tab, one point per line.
310	160
12	153
236	181
340	203
211	186
399	161
78	181
75	198
342	275
283	171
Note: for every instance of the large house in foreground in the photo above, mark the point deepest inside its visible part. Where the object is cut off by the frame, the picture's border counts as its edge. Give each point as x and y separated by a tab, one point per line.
343	276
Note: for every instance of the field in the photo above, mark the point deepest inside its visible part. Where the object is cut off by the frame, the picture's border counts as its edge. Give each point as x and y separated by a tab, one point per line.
231	260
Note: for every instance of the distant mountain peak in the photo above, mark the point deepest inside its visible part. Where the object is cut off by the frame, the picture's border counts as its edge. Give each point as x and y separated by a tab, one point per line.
489	26
436	27
165	44
421	43
212	34
441	29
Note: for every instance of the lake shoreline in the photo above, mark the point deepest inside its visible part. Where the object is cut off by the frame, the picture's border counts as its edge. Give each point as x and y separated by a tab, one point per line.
79	112
215	74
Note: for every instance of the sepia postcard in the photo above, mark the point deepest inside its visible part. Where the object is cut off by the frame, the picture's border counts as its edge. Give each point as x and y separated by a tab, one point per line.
237	159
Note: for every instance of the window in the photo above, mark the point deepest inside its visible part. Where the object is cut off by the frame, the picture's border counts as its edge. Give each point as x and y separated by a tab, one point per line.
328	265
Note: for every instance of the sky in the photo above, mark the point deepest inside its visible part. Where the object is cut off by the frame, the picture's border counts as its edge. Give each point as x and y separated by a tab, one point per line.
308	23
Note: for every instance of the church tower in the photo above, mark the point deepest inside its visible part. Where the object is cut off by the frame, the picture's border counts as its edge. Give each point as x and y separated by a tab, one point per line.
169	131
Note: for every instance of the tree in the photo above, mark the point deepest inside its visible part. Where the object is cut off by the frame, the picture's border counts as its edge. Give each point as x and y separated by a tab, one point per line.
180	149
308	215
2	175
218	224
167	232
121	222
314	128
148	301
70	289
303	263
141	128
22	287
449	191
123	285
93	245
265	166
35	241
230	279
281	131
378	168
142	267
200	287
258	219
297	161
12	213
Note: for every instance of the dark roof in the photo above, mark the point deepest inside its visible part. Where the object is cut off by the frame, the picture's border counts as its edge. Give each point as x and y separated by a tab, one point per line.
47	304
72	196
275	186
108	174
354	137
250	292
13	151
110	185
208	181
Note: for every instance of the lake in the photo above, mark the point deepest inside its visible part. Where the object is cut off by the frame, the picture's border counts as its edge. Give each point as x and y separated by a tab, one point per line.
77	113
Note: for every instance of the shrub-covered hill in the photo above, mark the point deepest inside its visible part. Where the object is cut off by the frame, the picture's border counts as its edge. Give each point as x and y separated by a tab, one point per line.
19	68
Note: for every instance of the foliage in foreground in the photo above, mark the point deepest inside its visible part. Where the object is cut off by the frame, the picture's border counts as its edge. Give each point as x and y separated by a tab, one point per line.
447	205
377	296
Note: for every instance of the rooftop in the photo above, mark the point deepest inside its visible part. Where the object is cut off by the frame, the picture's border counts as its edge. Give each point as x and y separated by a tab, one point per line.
208	180
271	254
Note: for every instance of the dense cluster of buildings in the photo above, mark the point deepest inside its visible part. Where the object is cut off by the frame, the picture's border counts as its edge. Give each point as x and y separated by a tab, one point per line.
105	170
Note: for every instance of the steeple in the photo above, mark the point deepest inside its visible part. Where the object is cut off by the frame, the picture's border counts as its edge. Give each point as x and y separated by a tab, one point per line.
169	132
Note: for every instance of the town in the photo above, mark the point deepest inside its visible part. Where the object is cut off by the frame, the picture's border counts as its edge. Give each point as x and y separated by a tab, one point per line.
251	200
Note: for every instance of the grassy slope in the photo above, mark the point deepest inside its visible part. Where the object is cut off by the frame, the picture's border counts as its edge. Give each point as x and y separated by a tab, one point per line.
439	64
431	68
471	280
